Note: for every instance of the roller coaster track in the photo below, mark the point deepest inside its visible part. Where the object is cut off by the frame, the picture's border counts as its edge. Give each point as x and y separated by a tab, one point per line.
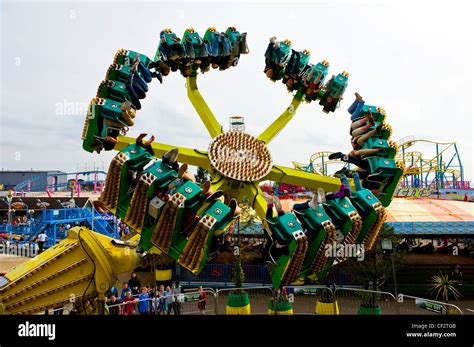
24	184
416	164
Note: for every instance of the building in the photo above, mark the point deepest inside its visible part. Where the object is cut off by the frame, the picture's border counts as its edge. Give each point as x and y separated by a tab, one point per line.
38	180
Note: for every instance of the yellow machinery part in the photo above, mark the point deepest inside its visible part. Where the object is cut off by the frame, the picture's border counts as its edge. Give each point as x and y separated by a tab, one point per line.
85	264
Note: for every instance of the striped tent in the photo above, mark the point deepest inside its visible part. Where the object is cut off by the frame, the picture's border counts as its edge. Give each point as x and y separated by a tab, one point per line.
425	216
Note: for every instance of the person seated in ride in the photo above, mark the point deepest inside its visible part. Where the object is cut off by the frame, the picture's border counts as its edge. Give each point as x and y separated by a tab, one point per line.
111	129
169	158
356	107
316	200
190	218
274	58
293	70
271	52
361	131
147	144
184	176
361	174
174	50
311	88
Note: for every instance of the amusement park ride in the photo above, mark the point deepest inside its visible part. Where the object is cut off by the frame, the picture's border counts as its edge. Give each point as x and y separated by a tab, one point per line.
441	168
47	182
432	172
171	213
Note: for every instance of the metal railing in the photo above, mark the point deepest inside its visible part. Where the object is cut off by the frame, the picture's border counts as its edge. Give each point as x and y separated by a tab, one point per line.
354	300
304	300
259	297
182	304
417	305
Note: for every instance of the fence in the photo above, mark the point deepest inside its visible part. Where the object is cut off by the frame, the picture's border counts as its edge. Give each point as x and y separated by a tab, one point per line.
187	303
359	301
414	305
259	299
305	300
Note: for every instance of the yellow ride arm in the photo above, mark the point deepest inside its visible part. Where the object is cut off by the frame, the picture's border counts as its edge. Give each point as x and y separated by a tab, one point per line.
274	129
309	180
81	267
186	155
207	117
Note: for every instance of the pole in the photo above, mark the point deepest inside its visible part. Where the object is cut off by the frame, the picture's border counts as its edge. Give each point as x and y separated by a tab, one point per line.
9	199
394	276
395	288
92	214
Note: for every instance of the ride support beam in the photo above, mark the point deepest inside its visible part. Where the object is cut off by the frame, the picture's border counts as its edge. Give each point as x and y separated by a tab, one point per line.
274	129
207	117
186	155
309	180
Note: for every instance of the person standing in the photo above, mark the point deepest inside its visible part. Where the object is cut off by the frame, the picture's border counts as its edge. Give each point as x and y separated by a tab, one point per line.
143	301
202	300
134	284
162	308
456	274
113	305
128	307
170	300
179	299
125	290
42	238
113	291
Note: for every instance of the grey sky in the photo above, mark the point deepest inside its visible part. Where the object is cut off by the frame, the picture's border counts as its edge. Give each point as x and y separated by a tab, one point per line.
415	60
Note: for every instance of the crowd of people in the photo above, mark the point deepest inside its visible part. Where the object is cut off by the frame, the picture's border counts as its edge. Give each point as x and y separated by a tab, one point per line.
134	298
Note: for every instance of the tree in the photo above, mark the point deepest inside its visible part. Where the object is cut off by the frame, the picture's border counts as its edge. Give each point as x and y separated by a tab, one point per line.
442	286
238	275
202	175
376	267
252	224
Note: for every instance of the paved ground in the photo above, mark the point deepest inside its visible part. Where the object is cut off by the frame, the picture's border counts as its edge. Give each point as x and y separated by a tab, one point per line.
9	261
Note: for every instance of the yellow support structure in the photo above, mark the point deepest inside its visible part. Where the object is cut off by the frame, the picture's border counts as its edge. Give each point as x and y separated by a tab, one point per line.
207	117
279	123
186	155
83	265
309	180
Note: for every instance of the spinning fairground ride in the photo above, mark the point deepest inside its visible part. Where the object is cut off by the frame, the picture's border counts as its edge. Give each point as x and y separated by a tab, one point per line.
170	213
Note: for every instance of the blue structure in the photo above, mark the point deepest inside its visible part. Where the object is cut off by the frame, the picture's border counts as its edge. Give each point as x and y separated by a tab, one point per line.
433	228
50	220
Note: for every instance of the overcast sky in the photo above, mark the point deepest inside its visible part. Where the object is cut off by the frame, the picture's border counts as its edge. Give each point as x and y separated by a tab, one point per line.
414	59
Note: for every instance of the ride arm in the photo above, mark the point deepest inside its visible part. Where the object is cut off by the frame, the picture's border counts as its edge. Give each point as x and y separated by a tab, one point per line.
309	180
274	129
76	271
201	107
188	155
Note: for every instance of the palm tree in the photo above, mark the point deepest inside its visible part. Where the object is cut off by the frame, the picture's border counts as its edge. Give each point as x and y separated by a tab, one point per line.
442	286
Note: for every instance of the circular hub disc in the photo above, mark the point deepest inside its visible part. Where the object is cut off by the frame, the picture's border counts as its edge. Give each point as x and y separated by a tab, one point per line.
240	156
